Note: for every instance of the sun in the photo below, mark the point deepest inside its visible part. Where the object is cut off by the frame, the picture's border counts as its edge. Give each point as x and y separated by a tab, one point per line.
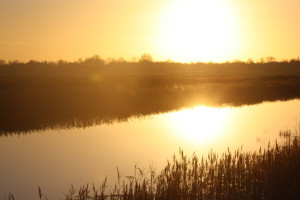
199	30
200	124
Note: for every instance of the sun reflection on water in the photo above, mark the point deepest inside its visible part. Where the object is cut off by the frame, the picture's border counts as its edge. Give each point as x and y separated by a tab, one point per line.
200	124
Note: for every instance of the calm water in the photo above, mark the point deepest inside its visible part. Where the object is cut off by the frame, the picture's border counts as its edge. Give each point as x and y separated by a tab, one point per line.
54	159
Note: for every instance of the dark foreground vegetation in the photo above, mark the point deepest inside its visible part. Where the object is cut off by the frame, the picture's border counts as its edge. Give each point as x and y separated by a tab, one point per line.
271	173
36	96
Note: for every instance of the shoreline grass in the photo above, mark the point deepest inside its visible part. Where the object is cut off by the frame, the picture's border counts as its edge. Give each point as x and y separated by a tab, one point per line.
270	173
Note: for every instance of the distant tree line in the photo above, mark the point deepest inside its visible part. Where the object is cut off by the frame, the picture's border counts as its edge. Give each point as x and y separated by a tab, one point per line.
145	57
147	66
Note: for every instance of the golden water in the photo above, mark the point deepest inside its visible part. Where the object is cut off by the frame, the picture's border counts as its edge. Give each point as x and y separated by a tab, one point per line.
54	159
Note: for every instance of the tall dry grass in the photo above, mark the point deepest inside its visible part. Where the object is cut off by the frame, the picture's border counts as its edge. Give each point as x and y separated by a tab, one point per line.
271	173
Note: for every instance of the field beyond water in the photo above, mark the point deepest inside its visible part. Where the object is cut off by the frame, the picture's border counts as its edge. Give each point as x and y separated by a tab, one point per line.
46	95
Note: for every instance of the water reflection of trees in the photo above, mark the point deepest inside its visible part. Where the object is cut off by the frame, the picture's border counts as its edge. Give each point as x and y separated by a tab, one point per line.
39	96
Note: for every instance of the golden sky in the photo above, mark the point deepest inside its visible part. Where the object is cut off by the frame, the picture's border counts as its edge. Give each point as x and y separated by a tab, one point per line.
181	30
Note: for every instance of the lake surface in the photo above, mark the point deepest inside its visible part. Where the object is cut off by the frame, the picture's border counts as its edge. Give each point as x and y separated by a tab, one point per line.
55	159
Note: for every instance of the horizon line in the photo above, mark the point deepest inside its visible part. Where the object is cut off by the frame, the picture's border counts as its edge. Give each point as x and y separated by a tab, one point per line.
146	57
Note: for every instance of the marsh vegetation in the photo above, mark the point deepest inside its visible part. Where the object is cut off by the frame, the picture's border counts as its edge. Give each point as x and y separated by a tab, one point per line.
46	95
271	173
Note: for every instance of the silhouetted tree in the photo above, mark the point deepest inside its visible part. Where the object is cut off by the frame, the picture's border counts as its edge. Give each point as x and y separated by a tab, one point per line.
121	60
271	59
32	62
250	61
146	57
94	60
79	60
61	62
295	60
110	60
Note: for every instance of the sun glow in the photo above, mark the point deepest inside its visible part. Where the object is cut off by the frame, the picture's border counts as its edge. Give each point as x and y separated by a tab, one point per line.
199	30
200	124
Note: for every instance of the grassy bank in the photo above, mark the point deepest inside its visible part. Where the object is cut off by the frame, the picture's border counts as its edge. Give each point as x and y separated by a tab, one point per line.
36	96
271	173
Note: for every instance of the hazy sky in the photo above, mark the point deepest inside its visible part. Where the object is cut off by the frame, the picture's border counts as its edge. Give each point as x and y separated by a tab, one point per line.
181	30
